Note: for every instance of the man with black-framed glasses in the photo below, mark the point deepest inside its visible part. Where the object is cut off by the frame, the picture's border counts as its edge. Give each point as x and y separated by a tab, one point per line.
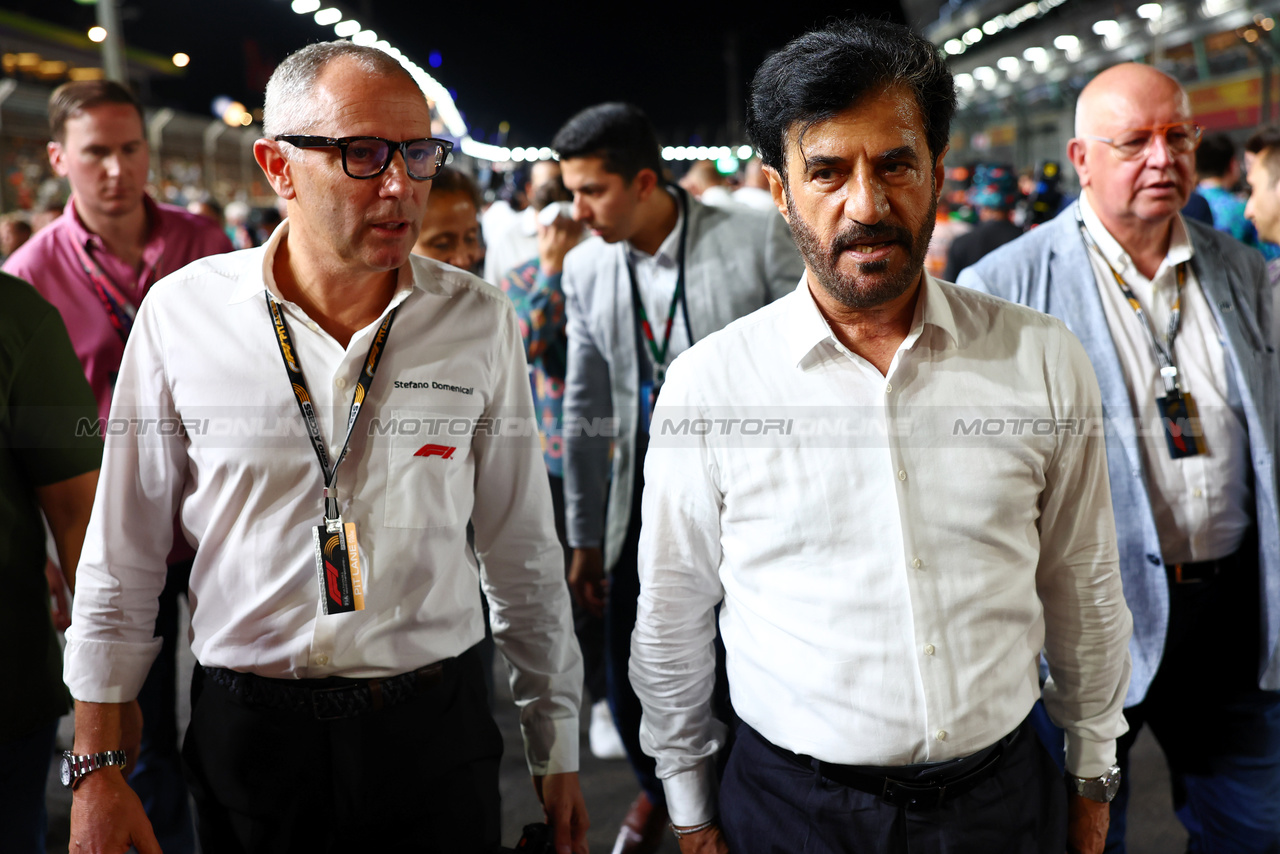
339	702
1176	318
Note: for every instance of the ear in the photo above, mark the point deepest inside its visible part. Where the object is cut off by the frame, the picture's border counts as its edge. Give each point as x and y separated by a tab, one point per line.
940	173
1076	151
57	158
645	182
778	190
275	166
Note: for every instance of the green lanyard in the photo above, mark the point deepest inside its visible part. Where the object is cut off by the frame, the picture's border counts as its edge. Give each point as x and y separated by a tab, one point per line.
677	297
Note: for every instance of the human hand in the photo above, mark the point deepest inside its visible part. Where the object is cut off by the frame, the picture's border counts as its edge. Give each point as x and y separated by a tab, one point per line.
555	241
565	810
60	605
108	818
586	579
1087	823
709	841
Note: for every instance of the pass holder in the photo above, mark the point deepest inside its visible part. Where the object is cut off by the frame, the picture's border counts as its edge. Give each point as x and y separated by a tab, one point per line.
1177	417
338	563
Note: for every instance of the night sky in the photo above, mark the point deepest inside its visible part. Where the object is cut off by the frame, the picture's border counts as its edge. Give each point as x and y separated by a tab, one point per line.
531	64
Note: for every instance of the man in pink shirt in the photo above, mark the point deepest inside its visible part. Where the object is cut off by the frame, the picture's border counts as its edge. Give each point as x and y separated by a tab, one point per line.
95	263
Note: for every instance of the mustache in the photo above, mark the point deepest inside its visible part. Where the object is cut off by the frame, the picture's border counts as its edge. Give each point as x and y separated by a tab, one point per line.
856	234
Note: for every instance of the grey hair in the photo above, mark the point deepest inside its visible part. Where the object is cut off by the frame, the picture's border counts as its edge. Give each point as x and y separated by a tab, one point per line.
289	106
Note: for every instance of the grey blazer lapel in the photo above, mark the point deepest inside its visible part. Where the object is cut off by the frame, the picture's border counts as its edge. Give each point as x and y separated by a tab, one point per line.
1072	296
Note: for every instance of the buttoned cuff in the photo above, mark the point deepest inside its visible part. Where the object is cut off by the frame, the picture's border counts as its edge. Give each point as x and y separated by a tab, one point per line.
107	671
691	794
551	745
1087	758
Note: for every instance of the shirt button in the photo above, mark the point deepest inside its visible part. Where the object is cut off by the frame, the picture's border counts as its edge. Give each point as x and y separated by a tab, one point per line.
313	326
942	735
340	382
1198	493
888	387
917	563
902	475
928	649
322	660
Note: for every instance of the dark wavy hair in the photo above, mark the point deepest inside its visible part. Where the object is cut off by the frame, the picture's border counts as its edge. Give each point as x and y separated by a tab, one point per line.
825	72
619	134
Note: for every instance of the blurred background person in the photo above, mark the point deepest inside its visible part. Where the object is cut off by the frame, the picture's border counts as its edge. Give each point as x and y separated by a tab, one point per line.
451	227
705	183
1218	173
14	231
1263	207
754	192
237	215
994	194
208	208
946	228
514	240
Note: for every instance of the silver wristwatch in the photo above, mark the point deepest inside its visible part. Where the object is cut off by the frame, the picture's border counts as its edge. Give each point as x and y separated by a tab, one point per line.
1101	789
73	768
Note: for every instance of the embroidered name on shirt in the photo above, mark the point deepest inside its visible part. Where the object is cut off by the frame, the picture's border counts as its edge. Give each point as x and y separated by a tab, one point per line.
460	389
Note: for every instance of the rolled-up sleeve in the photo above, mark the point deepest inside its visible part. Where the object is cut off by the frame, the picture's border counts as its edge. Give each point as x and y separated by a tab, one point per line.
111	643
1087	623
523	566
672	657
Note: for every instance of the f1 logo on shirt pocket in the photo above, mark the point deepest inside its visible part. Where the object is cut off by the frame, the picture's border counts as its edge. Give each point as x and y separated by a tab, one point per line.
425	482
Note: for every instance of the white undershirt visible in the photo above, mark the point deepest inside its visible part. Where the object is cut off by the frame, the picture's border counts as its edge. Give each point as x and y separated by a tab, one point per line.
656	277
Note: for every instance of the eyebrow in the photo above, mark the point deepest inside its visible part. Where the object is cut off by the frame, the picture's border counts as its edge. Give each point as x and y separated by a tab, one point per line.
902	152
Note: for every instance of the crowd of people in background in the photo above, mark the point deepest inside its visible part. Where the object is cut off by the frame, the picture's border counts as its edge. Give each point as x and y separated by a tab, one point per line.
685	571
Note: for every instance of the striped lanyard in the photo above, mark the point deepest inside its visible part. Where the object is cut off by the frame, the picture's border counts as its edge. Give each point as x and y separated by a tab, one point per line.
1164	351
659	353
120	309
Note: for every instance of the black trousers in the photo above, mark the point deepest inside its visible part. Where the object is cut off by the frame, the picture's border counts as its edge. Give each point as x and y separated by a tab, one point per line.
772	805
418	777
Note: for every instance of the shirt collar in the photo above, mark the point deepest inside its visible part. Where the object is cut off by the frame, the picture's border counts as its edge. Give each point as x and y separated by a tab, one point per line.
249	286
1180	248
670	248
804	327
87	239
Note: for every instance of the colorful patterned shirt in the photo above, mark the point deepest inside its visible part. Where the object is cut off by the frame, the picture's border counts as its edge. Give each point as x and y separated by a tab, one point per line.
539	303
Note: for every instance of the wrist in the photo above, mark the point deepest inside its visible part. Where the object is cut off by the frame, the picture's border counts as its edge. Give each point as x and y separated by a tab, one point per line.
1101	789
681	831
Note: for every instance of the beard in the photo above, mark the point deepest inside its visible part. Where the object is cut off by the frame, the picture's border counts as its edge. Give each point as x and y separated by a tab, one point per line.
873	284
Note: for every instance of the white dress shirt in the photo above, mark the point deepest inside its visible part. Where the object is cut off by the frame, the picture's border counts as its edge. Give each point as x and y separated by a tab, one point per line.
893	551
513	242
656	277
1203	505
247	484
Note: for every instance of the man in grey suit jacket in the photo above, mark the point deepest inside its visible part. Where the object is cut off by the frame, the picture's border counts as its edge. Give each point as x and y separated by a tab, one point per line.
661	272
1170	310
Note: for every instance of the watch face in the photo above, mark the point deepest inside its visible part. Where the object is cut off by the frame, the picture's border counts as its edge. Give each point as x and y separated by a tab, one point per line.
64	770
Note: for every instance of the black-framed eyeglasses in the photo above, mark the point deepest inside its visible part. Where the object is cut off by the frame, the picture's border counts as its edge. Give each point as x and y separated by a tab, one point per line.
369	156
1181	137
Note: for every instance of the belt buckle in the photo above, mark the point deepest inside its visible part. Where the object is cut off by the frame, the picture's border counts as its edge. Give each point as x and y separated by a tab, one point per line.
908	796
320	694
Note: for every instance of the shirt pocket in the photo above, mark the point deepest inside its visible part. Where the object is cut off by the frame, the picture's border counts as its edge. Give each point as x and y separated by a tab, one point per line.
428	468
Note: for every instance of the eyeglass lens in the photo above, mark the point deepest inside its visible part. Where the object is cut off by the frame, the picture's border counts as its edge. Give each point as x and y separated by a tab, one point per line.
367	157
1180	138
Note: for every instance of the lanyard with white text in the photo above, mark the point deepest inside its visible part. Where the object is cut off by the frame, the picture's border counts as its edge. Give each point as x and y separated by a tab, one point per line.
300	391
660	354
1164	352
120	309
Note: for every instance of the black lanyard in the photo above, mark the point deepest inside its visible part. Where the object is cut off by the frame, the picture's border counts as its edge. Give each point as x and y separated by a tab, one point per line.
660	354
298	380
1163	351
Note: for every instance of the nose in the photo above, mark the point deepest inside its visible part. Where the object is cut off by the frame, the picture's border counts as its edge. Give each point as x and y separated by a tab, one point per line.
579	210
866	201
112	164
1158	152
1249	212
396	182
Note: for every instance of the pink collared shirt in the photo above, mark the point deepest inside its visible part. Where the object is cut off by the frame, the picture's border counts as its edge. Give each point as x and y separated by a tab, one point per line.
50	263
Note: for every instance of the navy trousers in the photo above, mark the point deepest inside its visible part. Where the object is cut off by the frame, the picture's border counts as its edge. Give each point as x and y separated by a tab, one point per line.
772	805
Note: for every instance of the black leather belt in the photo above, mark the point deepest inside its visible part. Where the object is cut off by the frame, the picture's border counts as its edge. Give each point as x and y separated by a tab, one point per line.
328	699
1194	573
929	786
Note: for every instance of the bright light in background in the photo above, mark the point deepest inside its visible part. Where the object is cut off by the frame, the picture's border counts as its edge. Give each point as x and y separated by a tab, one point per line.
954	47
181	60
305	7
1038	57
1150	11
346	29
97	34
434	59
1106	28
993	26
964	81
365	37
328	17
1010	65
1067	43
972	37
744	152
